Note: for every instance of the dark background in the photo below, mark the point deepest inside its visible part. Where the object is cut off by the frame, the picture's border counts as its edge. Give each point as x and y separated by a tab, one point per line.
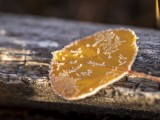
126	12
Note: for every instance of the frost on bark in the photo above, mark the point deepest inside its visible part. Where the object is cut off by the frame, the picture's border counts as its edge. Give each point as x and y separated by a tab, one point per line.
26	44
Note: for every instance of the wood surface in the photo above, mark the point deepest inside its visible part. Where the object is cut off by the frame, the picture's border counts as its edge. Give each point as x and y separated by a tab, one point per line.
26	43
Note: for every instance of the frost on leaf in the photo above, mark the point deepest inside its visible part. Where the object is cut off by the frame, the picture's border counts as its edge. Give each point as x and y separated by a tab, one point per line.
65	84
90	64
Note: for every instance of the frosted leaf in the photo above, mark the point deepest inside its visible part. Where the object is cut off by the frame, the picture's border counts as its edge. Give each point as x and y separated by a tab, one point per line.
90	64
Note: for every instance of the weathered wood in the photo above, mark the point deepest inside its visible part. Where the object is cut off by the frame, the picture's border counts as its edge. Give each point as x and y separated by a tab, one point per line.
26	44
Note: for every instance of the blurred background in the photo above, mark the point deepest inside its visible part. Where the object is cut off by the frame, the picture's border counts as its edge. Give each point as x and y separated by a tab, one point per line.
127	12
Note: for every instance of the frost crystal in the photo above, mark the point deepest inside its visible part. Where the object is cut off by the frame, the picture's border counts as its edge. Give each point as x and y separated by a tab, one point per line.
96	64
64	83
87	73
109	42
76	52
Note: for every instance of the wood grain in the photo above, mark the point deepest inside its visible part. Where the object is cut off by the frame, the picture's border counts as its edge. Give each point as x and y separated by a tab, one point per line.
26	43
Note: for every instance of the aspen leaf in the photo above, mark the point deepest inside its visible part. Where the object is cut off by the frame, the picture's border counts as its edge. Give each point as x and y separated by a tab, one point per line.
87	65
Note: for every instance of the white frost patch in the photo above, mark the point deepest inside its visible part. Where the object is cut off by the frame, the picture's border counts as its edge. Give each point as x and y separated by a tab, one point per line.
76	52
19	42
23	42
95	63
75	69
2	32
48	43
88	45
87	73
73	62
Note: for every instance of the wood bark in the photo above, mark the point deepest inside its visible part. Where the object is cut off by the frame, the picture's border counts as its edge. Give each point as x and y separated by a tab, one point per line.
26	43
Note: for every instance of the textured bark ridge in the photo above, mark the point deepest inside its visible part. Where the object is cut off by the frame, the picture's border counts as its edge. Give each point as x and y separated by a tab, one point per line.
26	44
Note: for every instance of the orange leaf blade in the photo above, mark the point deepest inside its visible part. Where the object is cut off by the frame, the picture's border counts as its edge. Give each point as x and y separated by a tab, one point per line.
90	64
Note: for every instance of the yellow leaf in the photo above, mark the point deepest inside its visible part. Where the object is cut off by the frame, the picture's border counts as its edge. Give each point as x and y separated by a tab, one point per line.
85	66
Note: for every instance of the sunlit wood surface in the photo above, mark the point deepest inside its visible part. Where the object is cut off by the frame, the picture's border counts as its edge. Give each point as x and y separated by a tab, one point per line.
26	44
